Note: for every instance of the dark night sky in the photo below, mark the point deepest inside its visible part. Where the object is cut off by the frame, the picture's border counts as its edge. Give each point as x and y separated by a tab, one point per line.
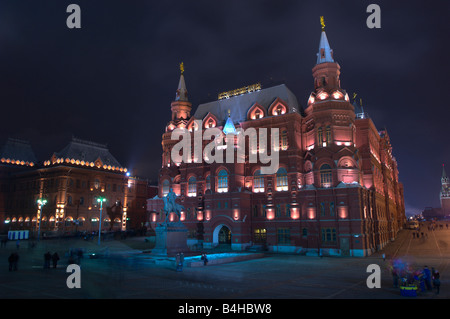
113	80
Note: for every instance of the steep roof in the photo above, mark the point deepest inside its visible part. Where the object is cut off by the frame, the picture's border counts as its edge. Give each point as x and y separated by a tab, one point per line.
88	151
18	150
325	53
239	105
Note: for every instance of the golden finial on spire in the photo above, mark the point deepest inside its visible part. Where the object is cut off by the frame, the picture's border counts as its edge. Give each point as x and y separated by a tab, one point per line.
354	95
322	23
182	67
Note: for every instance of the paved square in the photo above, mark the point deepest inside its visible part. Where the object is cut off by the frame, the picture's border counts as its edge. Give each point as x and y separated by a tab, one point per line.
129	273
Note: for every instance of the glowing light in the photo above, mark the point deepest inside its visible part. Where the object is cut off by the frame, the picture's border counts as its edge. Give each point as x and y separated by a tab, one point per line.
323	95
337	95
240	91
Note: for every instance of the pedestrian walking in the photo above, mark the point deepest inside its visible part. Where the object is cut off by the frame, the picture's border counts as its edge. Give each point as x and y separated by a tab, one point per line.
55	258
4	241
177	262
47	258
384	257
11	261
427	277
205	259
395	277
437	281
79	256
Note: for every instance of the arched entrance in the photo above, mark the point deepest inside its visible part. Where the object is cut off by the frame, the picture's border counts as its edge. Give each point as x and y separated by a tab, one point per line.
222	235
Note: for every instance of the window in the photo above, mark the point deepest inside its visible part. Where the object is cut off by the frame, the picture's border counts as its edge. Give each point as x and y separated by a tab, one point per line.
68	222
222	181
284	236
255	210
258	182
328	135
260	236
282	180
305	232
326	177
329	235
322	209
81	201
332	209
69	200
278	210
284	140
319	136
208	182
192	186
165	187
97	184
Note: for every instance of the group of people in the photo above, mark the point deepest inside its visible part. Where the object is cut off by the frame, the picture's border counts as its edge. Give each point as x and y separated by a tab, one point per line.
423	280
49	257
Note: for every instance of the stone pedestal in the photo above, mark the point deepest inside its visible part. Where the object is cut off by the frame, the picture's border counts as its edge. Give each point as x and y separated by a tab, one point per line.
171	238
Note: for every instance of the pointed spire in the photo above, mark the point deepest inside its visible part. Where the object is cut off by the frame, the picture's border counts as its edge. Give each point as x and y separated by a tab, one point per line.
444	174
325	53
182	93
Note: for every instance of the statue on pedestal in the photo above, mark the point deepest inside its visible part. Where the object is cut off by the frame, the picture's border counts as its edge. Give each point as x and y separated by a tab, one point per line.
170	206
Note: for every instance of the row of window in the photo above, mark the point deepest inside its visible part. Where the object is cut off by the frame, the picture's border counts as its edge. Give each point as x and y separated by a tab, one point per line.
222	182
326	180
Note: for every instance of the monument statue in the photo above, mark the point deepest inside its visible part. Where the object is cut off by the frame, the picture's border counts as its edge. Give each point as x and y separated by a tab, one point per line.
171	238
170	206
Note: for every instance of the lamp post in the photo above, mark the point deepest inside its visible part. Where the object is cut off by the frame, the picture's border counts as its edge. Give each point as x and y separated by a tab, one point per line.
100	200
41	202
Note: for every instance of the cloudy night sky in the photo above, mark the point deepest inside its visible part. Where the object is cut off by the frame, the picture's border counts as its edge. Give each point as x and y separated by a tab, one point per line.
113	80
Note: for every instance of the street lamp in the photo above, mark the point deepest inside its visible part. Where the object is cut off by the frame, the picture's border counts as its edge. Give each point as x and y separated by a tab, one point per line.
41	203
100	200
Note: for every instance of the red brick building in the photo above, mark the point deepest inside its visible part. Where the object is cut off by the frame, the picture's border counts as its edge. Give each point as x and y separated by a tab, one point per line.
70	181
336	190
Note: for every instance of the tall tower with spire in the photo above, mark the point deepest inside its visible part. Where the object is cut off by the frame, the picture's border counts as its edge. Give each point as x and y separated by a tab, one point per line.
181	113
181	107
329	106
445	192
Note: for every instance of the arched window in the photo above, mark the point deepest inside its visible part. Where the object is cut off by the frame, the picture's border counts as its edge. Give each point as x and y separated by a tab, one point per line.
282	180
319	137
222	185
328	135
284	140
326	177
165	187
192	186
258	182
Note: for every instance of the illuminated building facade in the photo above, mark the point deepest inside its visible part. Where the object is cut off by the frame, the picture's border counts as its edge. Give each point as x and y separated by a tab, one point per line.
445	193
70	182
336	190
